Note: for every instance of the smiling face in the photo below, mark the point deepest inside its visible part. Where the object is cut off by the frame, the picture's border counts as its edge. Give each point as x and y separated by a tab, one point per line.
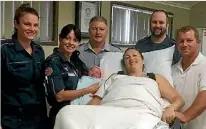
70	43
188	44
133	60
158	25
27	27
98	32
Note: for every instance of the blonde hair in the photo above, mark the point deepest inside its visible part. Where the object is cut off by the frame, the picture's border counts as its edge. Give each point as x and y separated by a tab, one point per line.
99	19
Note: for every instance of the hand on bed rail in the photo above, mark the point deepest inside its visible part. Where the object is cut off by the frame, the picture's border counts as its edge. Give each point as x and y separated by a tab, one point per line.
168	115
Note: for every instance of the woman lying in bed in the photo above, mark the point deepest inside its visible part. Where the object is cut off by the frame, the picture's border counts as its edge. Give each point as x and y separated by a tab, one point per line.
133	62
133	101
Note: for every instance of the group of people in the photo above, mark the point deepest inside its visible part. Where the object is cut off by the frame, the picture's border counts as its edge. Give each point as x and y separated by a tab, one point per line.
23	61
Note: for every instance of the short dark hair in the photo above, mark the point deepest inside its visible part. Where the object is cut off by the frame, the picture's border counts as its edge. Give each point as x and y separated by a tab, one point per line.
98	18
67	29
185	29
159	10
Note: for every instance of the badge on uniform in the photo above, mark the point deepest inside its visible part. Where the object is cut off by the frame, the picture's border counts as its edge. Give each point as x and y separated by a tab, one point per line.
48	71
71	74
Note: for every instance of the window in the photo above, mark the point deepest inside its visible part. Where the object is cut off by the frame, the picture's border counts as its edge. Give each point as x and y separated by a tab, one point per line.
131	24
47	21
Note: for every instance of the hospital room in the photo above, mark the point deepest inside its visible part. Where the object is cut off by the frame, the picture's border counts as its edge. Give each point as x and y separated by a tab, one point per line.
103	64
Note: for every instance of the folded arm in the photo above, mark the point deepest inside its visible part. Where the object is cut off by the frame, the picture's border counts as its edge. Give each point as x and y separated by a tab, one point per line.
56	84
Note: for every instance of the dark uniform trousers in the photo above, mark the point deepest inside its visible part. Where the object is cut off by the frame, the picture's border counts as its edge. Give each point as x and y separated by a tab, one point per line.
24	118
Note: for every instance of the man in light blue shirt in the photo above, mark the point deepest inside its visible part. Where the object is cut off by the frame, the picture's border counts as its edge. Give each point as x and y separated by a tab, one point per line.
92	51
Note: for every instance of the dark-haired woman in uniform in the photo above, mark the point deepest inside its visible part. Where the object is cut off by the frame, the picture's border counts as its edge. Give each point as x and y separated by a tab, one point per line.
22	90
63	70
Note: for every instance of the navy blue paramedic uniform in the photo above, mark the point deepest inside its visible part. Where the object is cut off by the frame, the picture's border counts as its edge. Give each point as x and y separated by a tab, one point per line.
146	45
22	91
62	75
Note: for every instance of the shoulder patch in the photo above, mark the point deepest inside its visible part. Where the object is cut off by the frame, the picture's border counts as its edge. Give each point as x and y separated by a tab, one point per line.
48	71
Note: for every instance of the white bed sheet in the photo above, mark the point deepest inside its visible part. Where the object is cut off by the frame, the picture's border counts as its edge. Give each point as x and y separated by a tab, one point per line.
105	117
129	103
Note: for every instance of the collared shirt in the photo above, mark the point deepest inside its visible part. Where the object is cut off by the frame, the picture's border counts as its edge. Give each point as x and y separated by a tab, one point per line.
62	75
189	83
22	74
90	58
146	45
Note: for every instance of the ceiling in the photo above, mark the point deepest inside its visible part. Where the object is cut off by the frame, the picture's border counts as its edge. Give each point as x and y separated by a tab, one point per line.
179	4
185	3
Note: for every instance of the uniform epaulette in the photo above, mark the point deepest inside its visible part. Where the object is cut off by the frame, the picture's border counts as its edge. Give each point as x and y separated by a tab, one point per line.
51	57
9	42
116	46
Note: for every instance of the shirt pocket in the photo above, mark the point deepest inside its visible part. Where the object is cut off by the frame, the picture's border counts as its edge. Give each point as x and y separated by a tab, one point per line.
21	69
39	69
70	80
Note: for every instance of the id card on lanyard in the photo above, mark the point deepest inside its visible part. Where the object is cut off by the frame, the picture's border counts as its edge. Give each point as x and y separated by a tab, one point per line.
72	74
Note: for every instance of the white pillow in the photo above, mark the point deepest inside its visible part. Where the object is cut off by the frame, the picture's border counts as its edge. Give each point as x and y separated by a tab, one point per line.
111	63
160	61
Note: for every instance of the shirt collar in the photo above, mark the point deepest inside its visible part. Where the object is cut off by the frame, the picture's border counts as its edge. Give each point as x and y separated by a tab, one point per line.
197	61
165	42
61	55
88	46
19	47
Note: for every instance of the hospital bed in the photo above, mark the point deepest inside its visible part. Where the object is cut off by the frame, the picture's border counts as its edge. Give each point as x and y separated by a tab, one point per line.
105	64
